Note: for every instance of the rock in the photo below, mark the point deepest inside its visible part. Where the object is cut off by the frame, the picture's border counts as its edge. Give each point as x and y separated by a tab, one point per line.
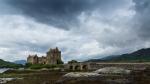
79	77
81	74
112	70
96	77
5	80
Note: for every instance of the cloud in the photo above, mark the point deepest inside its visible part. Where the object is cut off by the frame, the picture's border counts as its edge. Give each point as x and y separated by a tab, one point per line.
82	29
142	19
23	35
64	13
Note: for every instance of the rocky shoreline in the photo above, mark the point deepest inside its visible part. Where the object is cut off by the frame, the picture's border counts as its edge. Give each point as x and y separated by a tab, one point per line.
5	80
105	76
111	75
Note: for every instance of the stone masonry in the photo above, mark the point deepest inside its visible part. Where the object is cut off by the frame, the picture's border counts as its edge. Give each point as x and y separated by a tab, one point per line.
53	56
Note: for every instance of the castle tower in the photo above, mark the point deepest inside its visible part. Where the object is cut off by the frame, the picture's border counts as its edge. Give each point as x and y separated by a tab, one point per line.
53	56
33	59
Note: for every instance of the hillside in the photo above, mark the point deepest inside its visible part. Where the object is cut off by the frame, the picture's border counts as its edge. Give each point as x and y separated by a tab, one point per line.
142	55
5	64
23	62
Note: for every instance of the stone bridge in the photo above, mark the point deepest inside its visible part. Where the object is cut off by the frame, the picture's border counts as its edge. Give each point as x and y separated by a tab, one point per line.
95	66
78	66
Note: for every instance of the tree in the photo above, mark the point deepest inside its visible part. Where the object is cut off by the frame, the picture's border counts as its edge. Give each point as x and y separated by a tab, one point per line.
72	61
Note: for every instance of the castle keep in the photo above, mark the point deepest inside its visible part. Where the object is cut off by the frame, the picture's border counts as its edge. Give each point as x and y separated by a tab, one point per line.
53	56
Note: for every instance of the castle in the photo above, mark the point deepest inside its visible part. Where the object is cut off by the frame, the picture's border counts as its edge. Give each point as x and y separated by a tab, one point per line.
53	56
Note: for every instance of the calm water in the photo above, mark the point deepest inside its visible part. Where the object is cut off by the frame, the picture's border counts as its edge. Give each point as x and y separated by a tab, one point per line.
3	70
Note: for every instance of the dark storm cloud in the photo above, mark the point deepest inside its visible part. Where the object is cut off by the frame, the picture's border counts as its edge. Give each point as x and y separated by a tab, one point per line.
55	12
99	27
60	13
142	17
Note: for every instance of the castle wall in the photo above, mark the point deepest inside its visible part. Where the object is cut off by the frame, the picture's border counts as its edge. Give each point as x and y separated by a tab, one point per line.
33	59
53	56
42	60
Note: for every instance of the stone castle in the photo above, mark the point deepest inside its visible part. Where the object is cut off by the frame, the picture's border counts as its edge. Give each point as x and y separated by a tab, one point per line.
53	56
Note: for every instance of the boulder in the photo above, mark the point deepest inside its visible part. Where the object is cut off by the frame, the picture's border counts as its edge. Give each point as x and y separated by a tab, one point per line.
81	74
112	70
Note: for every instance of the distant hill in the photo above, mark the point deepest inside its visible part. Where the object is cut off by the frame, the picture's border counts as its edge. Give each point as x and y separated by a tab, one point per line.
142	55
23	62
6	64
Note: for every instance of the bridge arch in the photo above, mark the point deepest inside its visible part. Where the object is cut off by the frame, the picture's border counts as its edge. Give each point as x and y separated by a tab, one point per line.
71	67
77	67
84	67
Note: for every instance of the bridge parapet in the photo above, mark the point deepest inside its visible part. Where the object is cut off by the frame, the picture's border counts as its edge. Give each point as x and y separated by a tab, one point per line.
95	66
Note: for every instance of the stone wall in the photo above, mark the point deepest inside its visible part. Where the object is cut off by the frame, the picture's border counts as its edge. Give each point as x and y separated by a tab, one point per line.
42	60
53	56
33	59
95	66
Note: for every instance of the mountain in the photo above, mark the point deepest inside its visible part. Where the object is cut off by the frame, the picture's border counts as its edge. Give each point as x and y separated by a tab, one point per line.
6	64
23	62
142	55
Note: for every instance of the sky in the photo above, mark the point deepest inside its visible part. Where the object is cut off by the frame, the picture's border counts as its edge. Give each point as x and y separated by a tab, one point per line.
81	29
